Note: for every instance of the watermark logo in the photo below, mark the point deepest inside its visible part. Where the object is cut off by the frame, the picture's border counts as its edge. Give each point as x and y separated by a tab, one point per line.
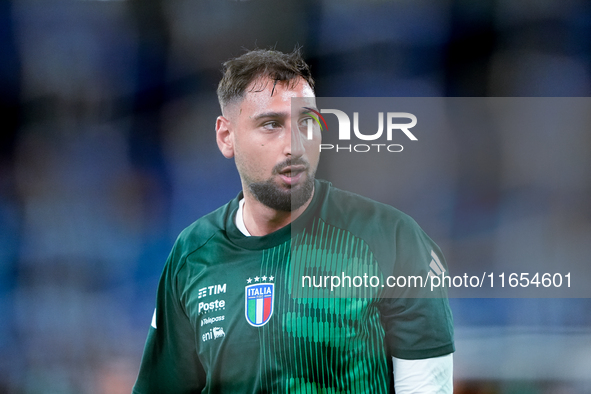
314	115
394	122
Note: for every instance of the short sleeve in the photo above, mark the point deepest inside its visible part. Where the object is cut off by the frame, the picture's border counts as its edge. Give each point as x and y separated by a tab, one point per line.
417	319
170	363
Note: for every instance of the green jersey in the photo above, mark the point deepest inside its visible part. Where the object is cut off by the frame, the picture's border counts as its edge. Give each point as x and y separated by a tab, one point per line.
238	314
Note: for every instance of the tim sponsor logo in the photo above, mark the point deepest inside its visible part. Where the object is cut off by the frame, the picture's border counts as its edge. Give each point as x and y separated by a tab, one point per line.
211	290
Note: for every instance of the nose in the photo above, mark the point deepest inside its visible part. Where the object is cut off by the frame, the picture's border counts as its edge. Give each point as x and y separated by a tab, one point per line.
296	142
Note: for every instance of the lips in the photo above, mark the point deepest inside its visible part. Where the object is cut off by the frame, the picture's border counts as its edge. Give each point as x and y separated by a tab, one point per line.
291	175
292	170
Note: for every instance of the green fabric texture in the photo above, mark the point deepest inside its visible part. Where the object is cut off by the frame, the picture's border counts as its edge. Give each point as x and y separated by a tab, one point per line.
232	315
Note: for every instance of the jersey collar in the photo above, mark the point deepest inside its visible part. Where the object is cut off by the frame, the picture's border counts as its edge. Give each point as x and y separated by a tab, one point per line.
280	236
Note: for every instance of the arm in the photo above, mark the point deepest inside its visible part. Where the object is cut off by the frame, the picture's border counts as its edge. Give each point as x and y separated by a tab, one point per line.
170	363
427	376
418	320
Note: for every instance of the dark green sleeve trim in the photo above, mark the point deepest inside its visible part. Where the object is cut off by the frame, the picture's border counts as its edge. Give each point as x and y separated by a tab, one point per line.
424	353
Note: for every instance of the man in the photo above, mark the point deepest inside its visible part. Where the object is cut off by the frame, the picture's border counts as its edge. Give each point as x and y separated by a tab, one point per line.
233	314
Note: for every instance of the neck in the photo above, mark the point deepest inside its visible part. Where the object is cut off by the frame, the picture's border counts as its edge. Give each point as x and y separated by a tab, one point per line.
261	220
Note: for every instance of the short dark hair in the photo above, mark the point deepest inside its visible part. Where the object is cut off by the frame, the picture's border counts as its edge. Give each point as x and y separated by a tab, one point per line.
278	66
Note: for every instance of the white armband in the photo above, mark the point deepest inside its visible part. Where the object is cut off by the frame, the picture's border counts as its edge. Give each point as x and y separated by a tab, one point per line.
427	376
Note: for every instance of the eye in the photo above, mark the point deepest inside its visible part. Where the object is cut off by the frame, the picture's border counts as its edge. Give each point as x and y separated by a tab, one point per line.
304	122
272	125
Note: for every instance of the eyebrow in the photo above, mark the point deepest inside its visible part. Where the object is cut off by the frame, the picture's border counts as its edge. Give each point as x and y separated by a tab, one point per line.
276	115
270	115
306	110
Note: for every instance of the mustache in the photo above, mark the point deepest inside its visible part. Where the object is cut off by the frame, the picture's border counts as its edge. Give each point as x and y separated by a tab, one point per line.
290	162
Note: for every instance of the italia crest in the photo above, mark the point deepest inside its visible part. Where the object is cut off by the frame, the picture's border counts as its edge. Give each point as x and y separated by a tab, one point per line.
259	299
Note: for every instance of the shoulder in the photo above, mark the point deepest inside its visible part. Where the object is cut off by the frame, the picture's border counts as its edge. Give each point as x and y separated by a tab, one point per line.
358	213
200	230
389	233
199	233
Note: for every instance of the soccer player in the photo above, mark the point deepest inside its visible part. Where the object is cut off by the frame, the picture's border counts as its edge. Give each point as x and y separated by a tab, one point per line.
234	313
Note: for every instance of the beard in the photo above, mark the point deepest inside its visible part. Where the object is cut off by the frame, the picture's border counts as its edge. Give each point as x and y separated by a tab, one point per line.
281	199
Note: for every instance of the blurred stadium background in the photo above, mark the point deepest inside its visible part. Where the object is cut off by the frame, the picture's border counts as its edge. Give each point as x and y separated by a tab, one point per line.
108	151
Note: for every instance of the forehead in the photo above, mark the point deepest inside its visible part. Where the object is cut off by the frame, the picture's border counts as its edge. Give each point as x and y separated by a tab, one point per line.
265	92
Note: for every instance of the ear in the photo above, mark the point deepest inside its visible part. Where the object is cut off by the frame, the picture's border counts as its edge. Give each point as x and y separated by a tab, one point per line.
223	137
